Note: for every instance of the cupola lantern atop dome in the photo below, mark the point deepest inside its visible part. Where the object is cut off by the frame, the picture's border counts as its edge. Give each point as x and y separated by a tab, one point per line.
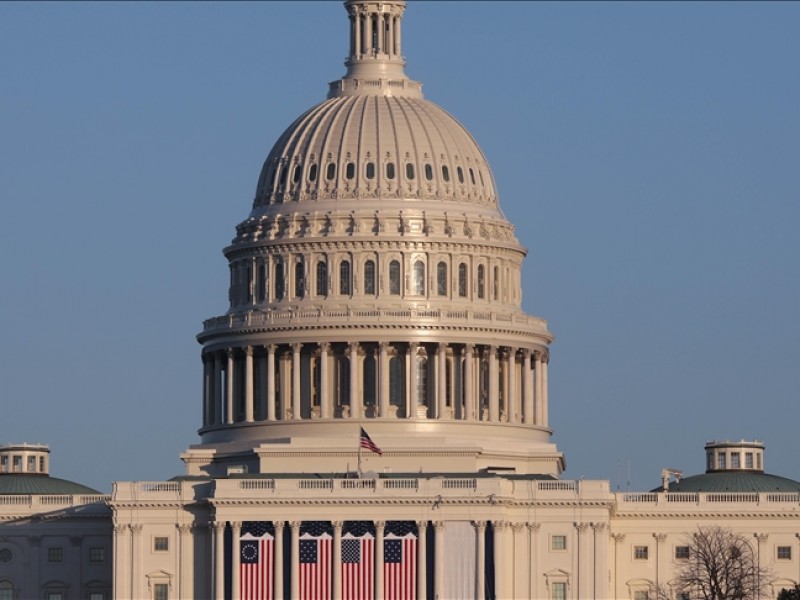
375	65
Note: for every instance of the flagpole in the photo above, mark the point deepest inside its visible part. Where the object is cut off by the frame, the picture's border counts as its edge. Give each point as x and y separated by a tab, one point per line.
359	453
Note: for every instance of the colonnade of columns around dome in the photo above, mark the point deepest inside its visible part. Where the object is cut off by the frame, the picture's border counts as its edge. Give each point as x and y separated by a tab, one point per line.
388	380
374	32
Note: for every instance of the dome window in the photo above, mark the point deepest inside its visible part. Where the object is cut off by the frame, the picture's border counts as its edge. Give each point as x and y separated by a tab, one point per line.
472	176
279	279
496	283
298	170
299	278
460	173
481	281
284	175
394	278
389	170
331	172
370	170
369	277
322	278
428	172
441	278
462	280
312	173
350	171
480	174
409	171
344	278
419	278
445	173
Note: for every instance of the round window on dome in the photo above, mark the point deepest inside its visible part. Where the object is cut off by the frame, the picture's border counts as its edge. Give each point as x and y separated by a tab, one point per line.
389	170
409	171
370	170
445	173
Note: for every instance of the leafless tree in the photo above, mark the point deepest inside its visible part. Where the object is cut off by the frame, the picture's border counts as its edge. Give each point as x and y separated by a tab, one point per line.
722	565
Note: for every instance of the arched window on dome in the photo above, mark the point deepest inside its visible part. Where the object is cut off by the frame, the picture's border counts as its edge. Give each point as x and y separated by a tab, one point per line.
298	170
422	380
496	283
481	282
370	170
390	170
419	278
369	277
394	277
261	283
248	284
330	174
397	381
480	174
350	170
441	278
370	381
428	172
460	173
462	280
445	173
284	175
312	172
322	278
472	176
299	278
345	278
409	171
280	279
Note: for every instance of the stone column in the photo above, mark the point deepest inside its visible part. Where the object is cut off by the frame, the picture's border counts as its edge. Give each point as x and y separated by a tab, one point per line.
660	538
537	365
469	382
229	388
294	589
581	559
438	563
356	43
219	560
208	393
325	400
248	384
441	381
545	402
615	587
412	397
533	552
270	382
337	559
121	549
136	559
383	371
236	528
480	532
422	560
511	385
501	560
184	588
379	529
296	412
279	525
527	387
356	399
494	385
285	366
518	558
217	393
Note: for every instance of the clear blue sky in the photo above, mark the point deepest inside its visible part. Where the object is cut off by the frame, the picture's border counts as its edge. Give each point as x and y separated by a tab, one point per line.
647	152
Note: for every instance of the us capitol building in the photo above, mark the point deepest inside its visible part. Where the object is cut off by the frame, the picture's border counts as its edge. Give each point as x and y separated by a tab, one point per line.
375	403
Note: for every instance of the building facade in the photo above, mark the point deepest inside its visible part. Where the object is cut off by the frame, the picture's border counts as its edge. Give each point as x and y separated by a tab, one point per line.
375	403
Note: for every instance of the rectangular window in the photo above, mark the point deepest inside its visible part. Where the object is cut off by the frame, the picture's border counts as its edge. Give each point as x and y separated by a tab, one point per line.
558	542
55	555
161	591
748	460
31	464
735	460
640	552
558	591
641	596
681	552
97	596
55	596
784	553
17	464
97	555
721	460
682	596
160	544
4	464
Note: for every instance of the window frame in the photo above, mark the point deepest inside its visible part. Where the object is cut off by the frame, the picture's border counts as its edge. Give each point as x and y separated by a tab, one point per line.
641	552
558	543
160	543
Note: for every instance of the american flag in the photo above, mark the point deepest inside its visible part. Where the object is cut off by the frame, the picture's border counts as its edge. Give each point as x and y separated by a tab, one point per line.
358	558
257	548
367	443
400	561
315	561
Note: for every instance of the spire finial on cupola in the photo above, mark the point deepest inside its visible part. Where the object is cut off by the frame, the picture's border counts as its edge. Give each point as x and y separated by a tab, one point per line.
375	65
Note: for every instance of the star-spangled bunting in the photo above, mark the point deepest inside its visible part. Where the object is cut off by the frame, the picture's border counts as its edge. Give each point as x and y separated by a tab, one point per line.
257	550
315	560
400	560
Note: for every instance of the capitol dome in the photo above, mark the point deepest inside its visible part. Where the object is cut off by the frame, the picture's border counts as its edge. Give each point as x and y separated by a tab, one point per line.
375	283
